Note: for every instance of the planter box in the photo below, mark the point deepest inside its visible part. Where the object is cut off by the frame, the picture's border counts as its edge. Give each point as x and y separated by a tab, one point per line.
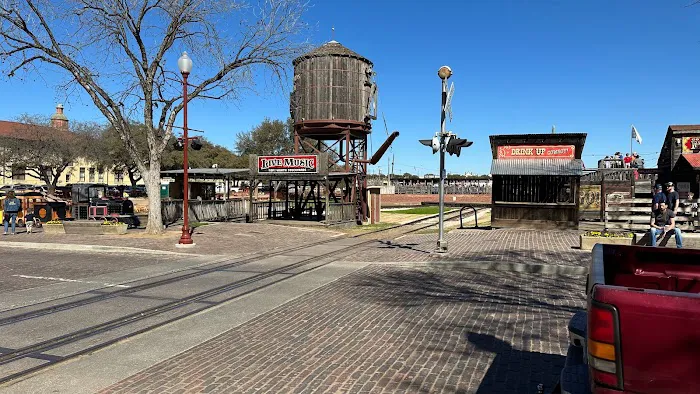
119	229
587	242
53	228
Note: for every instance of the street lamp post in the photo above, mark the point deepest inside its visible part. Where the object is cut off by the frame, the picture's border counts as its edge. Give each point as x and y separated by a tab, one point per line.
184	63
444	73
445	141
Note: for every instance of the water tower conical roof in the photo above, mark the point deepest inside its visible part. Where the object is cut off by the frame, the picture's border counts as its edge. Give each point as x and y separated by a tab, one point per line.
331	48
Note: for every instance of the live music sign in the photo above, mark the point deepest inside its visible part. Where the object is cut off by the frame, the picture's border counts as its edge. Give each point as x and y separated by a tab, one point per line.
536	152
296	163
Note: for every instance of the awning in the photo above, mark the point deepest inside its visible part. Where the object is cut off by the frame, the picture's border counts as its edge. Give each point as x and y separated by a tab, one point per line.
693	159
537	167
211	173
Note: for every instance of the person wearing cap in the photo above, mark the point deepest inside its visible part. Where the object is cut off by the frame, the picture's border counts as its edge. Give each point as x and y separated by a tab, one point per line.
659	197
672	198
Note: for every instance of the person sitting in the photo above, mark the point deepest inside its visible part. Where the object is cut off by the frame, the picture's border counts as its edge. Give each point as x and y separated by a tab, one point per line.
659	197
663	221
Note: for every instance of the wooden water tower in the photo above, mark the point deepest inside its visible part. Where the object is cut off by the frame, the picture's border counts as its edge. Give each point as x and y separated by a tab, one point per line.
332	105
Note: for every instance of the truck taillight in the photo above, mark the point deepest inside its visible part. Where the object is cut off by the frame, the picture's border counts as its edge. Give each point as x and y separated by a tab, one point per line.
604	345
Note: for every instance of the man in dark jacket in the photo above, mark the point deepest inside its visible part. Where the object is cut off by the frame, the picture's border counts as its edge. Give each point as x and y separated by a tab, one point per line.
10	208
659	197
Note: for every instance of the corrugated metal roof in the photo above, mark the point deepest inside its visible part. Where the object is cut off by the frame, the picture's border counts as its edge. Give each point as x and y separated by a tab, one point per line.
537	167
693	159
684	127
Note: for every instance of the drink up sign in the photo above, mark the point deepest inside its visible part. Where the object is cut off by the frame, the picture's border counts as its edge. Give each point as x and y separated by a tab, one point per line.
296	164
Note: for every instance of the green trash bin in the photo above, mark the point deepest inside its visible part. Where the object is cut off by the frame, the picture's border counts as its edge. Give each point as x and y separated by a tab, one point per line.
164	190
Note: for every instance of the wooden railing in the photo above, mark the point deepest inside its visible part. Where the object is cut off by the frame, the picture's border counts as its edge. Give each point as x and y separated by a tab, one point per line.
617	174
264	209
634	214
204	211
341	212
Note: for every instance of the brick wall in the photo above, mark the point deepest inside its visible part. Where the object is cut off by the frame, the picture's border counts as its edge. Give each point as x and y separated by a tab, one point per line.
417	199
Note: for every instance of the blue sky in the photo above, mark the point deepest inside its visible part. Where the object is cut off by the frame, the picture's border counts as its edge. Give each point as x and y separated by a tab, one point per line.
519	67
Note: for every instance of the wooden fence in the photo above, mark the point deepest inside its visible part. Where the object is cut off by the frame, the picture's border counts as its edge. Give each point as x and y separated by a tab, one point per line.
204	211
634	214
341	212
266	209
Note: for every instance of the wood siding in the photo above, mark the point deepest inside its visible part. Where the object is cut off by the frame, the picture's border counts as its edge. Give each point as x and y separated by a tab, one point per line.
331	87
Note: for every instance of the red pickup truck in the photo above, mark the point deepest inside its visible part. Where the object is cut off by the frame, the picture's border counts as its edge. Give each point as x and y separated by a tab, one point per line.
640	332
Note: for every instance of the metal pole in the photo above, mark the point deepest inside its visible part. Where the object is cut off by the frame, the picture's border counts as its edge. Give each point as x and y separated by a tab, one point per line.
186	238
442	243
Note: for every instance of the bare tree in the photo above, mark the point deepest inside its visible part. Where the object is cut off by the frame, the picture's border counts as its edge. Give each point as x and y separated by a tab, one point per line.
116	51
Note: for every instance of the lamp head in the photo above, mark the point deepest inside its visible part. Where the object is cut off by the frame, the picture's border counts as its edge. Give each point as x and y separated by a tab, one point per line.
184	63
445	72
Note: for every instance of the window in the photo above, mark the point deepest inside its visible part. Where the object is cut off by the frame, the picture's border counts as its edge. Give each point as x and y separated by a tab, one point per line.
535	189
18	173
119	176
100	175
91	177
82	174
67	178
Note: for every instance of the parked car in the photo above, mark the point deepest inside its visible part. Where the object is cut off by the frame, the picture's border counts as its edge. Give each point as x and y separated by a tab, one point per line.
640	332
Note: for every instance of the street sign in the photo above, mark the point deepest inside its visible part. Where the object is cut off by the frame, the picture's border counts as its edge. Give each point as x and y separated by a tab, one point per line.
296	163
448	102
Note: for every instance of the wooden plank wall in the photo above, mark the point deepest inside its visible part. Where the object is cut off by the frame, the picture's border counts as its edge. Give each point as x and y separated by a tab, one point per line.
332	87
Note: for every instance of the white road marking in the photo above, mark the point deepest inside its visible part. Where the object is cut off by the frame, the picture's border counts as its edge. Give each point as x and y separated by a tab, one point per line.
67	280
244	235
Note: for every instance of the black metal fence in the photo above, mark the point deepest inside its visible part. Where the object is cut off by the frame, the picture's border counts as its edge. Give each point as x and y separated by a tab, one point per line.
449	189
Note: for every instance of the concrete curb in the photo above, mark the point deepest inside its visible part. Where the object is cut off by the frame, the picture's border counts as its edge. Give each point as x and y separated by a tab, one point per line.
535	268
91	248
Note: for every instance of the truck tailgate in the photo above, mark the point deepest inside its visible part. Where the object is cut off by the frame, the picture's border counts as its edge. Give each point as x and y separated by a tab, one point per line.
659	338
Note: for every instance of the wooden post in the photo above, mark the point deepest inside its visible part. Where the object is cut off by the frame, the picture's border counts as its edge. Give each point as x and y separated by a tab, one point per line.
328	199
605	215
251	217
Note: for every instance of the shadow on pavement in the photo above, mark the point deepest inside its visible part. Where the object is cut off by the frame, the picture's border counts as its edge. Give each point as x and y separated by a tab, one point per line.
506	375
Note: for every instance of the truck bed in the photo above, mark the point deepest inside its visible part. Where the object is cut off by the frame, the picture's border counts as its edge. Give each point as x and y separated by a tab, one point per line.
656	296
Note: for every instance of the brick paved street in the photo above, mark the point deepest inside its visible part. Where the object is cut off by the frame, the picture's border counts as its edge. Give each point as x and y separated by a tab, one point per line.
389	328
213	239
22	268
503	245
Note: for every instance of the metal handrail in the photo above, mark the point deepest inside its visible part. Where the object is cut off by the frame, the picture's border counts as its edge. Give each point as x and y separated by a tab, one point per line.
476	220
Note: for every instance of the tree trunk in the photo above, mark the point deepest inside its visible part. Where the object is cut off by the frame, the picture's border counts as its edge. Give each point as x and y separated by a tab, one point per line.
155	218
132	178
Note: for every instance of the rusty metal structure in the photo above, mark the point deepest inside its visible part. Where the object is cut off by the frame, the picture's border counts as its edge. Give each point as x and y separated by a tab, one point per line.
332	105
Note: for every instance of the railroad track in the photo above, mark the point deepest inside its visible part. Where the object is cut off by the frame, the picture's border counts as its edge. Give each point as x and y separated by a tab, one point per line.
102	334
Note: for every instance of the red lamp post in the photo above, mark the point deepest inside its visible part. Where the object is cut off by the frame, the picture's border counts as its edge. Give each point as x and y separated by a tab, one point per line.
184	63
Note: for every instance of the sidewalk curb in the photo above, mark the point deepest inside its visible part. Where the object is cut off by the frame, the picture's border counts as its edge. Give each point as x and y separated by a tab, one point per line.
91	248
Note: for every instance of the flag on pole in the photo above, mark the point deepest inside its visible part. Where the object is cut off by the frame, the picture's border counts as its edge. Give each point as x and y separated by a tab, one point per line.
635	135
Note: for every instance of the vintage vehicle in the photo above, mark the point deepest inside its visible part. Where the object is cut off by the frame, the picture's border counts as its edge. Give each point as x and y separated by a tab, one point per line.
41	205
95	202
640	332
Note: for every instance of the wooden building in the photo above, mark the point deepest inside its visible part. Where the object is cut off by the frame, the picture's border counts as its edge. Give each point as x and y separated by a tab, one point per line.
679	160
536	179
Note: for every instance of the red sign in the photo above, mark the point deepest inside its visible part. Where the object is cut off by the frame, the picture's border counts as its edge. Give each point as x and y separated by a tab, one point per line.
297	163
691	144
536	152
